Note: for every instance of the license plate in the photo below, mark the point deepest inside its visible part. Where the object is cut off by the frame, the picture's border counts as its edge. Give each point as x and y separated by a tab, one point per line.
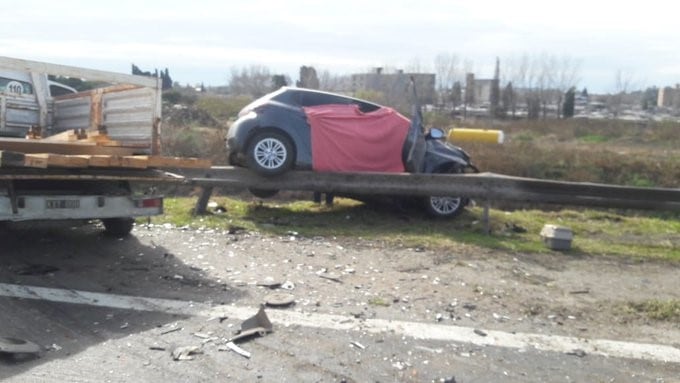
62	204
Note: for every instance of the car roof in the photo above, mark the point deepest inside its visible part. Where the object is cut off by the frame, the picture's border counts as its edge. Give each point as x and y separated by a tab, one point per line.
321	93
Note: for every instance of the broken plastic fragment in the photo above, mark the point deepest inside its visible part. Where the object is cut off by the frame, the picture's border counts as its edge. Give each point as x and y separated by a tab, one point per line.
185	352
258	324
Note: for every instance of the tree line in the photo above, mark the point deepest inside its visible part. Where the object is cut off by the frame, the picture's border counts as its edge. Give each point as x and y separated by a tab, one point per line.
541	85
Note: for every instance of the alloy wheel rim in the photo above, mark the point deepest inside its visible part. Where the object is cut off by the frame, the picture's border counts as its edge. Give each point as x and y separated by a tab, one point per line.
270	153
445	205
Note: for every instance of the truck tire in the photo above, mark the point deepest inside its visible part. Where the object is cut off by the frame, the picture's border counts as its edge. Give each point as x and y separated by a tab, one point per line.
118	227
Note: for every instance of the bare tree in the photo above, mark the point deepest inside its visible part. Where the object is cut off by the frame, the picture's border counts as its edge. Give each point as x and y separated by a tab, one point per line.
254	81
543	80
622	83
446	68
332	82
308	78
567	76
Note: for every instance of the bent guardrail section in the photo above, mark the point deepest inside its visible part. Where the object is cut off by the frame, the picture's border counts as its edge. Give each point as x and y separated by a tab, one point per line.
484	186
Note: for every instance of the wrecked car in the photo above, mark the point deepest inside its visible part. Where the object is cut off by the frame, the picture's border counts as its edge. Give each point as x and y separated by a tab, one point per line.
297	128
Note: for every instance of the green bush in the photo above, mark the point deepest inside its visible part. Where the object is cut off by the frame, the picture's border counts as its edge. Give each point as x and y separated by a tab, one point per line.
223	108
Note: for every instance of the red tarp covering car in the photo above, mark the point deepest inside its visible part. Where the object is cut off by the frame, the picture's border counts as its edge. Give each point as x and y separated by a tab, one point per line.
346	139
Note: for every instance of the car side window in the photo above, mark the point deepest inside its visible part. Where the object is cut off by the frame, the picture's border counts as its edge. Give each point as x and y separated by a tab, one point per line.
366	107
315	99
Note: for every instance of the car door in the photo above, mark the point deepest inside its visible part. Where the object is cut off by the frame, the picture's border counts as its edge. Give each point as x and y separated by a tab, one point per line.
414	149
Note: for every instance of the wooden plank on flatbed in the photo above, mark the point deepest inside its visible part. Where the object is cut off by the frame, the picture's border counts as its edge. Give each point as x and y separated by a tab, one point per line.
136	162
45	160
71	135
57	147
177	162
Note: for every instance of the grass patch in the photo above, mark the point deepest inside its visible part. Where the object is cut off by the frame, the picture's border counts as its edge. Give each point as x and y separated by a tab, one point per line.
378	301
596	232
593	139
657	309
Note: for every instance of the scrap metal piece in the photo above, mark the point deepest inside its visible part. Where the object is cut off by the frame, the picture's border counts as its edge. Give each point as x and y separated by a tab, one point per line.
18	346
358	345
233	347
270	283
331	277
258	324
279	299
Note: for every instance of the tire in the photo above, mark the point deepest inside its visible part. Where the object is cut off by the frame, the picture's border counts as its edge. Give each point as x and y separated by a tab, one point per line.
270	153
447	207
118	227
263	193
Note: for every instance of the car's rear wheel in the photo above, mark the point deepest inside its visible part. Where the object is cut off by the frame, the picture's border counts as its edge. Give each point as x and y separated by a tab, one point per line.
270	153
263	193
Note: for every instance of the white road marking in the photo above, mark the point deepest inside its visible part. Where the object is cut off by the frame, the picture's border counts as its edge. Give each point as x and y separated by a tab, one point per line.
417	330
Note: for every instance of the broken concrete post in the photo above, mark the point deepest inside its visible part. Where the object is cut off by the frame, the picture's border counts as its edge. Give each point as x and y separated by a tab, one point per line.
557	237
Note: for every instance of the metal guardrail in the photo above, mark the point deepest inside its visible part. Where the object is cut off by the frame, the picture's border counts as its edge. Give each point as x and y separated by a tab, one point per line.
483	186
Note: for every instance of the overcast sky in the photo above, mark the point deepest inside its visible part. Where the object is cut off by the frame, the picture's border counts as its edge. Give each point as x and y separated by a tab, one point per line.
201	41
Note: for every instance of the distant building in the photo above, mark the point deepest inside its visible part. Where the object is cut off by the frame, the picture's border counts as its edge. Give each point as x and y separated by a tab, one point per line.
478	91
669	97
396	84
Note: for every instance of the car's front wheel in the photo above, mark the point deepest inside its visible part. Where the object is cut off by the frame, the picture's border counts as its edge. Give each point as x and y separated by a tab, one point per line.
270	153
445	207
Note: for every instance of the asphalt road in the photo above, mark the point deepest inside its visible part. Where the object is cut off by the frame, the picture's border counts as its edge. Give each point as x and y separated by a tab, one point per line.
165	288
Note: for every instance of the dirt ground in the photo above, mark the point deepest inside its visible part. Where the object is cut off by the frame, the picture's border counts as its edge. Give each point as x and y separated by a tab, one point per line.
361	279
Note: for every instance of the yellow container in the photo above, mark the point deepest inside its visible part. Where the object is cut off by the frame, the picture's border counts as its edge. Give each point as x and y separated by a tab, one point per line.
476	135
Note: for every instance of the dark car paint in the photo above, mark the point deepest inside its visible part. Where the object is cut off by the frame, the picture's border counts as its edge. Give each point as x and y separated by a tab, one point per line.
283	110
441	157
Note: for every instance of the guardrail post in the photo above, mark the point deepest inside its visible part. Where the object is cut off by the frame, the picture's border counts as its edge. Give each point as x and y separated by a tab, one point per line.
202	203
485	218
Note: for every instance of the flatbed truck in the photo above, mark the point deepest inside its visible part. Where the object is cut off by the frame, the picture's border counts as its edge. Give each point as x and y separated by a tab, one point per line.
37	115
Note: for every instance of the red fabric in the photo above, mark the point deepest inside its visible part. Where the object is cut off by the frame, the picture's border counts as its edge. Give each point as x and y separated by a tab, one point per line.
346	139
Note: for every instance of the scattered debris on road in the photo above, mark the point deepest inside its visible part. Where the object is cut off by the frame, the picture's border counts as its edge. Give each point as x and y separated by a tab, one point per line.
171	330
288	285
480	332
577	352
358	345
186	352
331	277
279	299
270	283
233	347
258	324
